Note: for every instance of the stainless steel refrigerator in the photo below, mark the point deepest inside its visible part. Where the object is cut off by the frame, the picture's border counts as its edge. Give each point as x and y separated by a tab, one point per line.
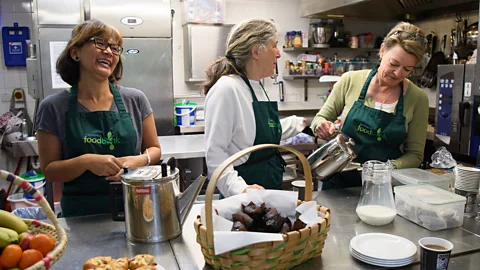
146	27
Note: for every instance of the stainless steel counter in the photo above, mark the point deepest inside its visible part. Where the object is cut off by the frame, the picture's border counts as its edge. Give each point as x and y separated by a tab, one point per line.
98	235
182	146
345	225
178	146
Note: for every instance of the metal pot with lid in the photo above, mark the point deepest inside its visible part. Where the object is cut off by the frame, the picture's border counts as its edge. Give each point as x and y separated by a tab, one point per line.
333	156
155	209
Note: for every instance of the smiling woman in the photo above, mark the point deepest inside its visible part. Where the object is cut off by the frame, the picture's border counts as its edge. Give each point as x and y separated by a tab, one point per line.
87	134
384	112
240	114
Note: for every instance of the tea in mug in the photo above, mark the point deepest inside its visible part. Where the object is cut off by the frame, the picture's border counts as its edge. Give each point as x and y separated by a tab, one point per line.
436	247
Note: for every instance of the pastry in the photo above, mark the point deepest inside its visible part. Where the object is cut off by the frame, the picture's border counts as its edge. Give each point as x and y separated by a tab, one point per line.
147	267
141	260
243	218
238	226
120	264
95	262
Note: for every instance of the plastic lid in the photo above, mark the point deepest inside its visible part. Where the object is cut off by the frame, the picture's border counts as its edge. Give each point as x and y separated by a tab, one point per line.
33	176
151	174
417	176
429	194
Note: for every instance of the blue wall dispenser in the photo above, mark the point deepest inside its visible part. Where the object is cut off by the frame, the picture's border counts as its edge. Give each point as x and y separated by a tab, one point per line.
14	45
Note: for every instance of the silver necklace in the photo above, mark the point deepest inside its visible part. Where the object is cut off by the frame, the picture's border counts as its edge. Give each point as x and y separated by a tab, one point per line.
378	87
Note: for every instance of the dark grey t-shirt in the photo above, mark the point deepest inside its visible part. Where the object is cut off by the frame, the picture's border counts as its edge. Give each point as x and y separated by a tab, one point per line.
51	113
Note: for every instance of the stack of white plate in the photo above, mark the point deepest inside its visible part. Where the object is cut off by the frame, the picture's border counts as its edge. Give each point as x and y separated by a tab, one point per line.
385	250
467	178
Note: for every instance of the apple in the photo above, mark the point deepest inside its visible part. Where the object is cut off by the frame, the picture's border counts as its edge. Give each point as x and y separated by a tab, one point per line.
24	239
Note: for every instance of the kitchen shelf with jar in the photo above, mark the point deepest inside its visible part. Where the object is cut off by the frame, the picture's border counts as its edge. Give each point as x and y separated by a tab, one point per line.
311	66
313	49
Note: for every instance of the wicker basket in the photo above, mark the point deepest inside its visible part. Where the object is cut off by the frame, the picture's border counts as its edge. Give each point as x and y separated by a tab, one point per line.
36	227
297	246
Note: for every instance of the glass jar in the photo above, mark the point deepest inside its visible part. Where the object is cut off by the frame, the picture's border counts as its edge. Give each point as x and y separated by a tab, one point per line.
376	205
297	41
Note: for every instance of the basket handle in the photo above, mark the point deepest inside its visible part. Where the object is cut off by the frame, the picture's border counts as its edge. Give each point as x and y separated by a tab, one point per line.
221	168
42	202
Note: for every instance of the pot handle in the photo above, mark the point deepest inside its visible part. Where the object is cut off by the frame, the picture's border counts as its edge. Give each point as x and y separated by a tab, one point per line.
116	188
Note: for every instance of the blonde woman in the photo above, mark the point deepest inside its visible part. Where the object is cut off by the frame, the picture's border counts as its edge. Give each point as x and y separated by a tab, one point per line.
240	114
384	112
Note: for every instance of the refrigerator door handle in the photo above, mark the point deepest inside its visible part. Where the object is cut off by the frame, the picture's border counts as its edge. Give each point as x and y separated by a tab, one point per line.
463	106
87	13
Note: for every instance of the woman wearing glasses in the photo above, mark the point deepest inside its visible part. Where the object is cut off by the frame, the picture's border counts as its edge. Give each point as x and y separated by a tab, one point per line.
87	133
384	112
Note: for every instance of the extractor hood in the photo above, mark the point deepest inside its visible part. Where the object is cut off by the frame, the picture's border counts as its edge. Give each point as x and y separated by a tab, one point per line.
394	10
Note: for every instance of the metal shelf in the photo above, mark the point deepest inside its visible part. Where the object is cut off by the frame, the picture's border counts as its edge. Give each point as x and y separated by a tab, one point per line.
311	49
300	77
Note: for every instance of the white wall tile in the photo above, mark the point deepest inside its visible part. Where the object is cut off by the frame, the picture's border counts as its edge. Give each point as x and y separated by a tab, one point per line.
7	6
23	78
23	6
2	82
8	19
12	79
24	19
4	68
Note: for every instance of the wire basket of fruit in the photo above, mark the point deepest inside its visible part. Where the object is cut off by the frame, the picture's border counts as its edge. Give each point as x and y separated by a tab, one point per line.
26	243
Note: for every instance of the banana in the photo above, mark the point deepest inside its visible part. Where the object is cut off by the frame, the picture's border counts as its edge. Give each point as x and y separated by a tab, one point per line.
7	236
10	221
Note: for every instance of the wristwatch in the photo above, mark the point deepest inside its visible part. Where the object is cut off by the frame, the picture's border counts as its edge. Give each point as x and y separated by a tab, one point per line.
148	157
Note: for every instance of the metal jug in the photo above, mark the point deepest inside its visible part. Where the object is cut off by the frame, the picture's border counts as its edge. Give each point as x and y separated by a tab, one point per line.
155	210
333	156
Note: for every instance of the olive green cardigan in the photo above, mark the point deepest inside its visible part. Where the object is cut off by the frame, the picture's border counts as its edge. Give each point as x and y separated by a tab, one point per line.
347	90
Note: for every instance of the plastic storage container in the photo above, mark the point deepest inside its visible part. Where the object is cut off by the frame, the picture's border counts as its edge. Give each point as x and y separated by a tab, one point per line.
418	176
205	11
430	207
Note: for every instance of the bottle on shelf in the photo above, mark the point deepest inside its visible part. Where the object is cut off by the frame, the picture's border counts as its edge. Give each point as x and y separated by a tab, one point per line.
297	41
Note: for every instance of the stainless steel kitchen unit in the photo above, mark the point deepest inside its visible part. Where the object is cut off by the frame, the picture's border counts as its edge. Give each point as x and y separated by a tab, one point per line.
146	27
212	38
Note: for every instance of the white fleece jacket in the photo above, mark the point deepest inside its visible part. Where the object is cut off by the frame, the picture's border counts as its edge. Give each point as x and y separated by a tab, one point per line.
230	128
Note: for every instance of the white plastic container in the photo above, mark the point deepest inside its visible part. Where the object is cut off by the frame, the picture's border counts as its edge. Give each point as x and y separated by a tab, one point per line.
430	207
18	201
419	176
204	11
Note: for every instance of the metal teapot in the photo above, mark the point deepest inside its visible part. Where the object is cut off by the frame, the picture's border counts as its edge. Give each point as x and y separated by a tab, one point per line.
333	156
155	210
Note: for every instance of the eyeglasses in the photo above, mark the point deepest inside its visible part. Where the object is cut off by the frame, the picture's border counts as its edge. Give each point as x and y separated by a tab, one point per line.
410	36
103	45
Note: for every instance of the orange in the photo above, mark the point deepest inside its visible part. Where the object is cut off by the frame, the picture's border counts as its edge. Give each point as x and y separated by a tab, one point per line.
29	258
43	243
11	256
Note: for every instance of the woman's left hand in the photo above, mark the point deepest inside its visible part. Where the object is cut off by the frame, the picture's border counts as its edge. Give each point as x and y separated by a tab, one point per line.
116	177
130	162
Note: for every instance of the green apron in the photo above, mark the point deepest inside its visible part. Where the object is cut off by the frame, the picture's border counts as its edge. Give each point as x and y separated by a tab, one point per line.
264	167
99	132
378	135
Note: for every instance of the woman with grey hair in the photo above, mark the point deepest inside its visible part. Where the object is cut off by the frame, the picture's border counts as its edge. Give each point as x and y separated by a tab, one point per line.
384	112
240	114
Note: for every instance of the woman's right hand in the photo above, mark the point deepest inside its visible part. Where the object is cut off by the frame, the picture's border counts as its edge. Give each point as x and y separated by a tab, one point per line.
325	129
104	165
253	187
